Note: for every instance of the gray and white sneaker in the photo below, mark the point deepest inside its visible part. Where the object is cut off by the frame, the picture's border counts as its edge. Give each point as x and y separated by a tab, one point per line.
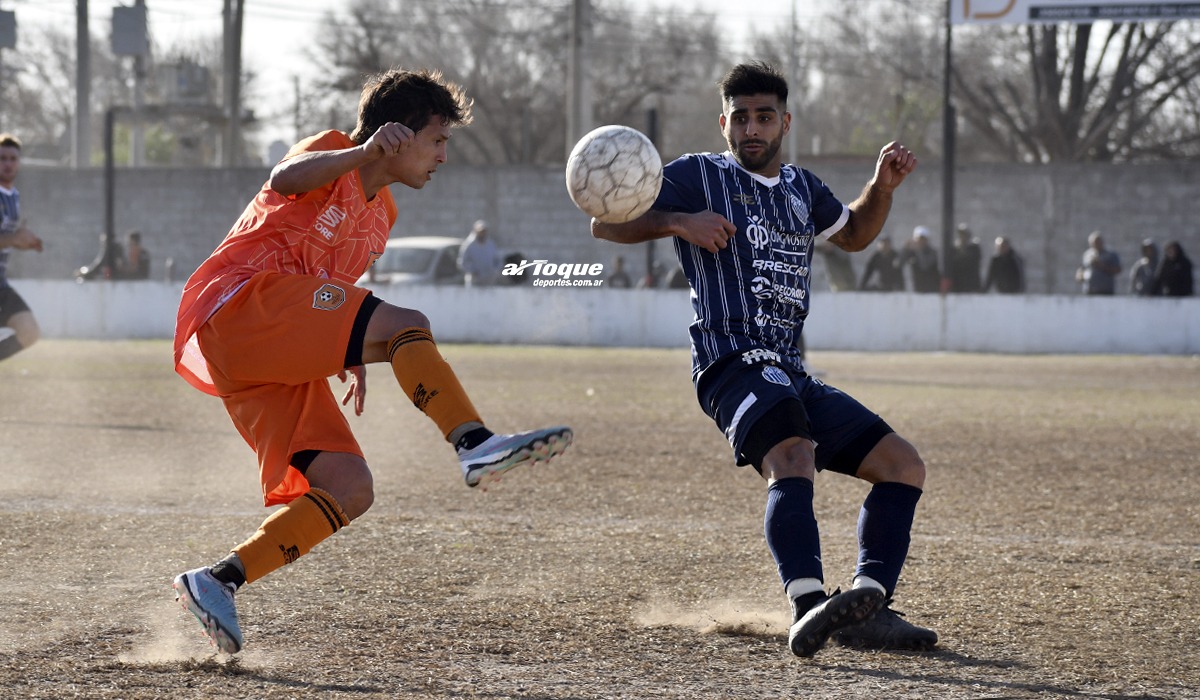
886	630
485	462
812	628
211	601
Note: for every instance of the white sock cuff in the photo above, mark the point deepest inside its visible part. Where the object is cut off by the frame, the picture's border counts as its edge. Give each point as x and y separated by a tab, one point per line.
868	582
803	586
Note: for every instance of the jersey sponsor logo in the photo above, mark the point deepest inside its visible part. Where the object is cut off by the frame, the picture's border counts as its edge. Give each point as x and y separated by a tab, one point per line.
773	374
780	266
762	288
757	355
757	233
766	320
329	297
790	295
793	240
329	220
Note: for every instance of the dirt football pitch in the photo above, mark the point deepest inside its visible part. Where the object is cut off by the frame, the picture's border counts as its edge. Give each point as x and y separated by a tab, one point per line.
1056	549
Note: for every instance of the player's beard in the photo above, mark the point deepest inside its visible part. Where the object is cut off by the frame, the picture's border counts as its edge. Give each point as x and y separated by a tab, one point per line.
756	163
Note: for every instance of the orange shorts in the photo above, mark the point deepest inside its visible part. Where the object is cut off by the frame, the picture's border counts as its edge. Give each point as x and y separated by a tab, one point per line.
271	350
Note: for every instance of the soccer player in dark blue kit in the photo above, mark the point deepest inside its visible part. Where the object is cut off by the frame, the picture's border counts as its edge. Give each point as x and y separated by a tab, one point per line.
743	226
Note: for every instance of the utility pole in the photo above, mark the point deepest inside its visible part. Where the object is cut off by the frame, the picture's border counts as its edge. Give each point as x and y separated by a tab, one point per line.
793	76
138	140
579	85
949	129
81	141
131	37
8	40
232	143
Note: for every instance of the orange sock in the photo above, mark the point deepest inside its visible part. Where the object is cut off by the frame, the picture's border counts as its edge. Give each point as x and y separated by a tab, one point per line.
429	381
290	532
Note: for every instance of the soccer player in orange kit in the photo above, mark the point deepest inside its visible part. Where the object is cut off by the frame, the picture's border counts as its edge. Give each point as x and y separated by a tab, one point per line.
273	313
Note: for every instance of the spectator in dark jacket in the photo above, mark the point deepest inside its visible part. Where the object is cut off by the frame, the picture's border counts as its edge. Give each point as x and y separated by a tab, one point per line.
883	273
965	258
1006	270
922	260
1174	278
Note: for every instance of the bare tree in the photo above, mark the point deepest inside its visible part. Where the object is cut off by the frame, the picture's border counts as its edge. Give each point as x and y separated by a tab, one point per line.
1092	92
40	89
511	58
1037	93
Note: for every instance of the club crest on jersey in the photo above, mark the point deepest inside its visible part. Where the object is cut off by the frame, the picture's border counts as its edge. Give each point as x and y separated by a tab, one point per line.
801	209
773	374
329	297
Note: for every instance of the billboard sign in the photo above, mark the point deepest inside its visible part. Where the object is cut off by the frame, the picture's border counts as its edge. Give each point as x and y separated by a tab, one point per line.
1054	11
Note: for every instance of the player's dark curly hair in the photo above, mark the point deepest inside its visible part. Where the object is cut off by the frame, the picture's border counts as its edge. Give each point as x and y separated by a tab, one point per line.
411	98
755	78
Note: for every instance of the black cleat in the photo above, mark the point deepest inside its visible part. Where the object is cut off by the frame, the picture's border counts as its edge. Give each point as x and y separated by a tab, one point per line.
886	630
812	627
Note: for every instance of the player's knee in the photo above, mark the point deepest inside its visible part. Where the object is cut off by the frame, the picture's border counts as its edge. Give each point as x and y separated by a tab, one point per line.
359	501
894	460
794	457
29	336
346	478
26	329
394	319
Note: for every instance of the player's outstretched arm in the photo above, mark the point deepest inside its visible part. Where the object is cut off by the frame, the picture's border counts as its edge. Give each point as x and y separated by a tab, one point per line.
869	212
308	171
21	239
706	229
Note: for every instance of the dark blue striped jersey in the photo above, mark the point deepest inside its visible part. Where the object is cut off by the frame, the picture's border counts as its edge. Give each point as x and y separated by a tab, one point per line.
10	216
754	293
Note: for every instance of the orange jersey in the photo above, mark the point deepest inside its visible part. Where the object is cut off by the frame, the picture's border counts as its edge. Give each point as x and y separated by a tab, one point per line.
331	232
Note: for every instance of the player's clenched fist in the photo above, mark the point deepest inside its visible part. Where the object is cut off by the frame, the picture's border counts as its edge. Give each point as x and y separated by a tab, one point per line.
389	139
895	163
708	230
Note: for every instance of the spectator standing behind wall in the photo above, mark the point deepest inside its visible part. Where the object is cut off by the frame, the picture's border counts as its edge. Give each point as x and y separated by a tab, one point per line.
965	259
921	259
1006	269
478	257
618	277
1174	278
838	266
883	273
1098	273
135	264
1141	277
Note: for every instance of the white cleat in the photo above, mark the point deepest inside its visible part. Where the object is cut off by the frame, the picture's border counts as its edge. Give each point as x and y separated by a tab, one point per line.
211	601
493	457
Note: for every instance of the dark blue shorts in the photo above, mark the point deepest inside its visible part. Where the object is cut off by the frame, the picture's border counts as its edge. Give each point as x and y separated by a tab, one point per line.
759	401
11	303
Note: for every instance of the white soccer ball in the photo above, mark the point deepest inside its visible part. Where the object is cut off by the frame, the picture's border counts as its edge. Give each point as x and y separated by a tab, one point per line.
614	174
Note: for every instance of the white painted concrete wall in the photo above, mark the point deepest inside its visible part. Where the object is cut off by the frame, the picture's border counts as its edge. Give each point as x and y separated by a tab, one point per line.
659	318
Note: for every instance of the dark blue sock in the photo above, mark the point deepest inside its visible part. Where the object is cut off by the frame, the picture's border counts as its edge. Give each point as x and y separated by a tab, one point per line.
884	526
791	529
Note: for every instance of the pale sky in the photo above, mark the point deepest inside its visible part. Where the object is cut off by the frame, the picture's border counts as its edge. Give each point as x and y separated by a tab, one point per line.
276	32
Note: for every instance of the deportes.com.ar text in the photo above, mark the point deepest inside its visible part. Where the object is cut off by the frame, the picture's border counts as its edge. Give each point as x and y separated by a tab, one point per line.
567	283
